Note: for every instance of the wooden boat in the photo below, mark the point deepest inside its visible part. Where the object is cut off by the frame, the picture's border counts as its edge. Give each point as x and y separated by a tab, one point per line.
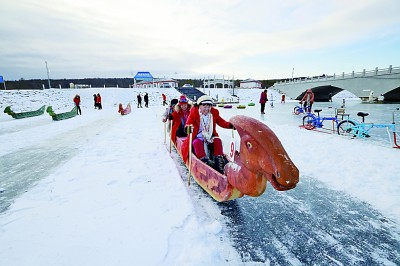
261	158
228	106
61	116
124	111
241	106
40	111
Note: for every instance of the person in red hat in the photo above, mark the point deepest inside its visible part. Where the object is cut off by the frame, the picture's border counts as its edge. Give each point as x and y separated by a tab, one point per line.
308	100
179	117
203	119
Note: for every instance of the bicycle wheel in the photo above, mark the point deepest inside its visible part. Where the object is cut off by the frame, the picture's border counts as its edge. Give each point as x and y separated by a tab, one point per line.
308	122
346	128
297	110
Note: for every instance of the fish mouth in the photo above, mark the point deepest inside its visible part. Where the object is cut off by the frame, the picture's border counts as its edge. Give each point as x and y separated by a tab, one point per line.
280	184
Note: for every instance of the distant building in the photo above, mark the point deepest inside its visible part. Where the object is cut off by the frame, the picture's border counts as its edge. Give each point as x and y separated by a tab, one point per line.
250	84
146	80
157	83
218	83
79	86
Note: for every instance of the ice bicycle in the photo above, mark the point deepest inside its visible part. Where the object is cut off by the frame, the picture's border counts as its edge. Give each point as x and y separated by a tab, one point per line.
312	121
355	129
299	109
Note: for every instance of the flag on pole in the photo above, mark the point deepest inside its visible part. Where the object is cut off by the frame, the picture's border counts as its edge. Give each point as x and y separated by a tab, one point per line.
1	79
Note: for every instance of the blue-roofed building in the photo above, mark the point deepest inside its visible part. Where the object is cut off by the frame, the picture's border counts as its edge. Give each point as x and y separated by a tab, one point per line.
143	76
146	80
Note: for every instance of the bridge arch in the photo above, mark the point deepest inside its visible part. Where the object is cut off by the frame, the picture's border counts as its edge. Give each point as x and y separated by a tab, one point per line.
384	82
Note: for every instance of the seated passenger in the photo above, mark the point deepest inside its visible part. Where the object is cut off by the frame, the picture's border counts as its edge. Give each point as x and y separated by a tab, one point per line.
179	117
120	109
203	119
167	116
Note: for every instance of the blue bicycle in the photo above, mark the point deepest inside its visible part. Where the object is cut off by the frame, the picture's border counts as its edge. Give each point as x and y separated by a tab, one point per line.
312	121
298	109
355	129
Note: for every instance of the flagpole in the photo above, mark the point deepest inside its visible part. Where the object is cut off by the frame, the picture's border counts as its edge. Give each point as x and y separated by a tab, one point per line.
48	77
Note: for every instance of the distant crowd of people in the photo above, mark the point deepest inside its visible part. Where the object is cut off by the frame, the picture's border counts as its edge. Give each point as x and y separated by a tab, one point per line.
98	104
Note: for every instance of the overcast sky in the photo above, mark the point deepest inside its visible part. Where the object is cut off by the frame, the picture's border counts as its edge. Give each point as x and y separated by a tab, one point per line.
262	39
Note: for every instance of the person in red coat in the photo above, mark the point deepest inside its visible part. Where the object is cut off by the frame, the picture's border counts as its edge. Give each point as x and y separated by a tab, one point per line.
203	119
98	101
263	100
120	109
179	118
77	101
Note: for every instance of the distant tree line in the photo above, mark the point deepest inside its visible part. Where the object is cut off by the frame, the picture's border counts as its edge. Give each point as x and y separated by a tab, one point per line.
37	84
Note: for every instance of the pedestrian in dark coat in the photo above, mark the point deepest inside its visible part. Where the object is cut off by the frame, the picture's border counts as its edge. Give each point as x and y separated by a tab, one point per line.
139	101
95	102
146	100
263	100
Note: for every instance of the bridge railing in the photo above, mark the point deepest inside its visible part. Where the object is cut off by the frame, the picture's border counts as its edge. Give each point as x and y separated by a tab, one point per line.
376	72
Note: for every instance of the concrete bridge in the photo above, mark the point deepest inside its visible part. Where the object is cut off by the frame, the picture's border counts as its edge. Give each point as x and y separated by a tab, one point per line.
368	85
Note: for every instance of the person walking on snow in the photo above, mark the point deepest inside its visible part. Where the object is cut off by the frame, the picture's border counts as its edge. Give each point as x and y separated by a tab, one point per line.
77	101
98	101
146	100
139	101
203	119
95	101
164	98
263	100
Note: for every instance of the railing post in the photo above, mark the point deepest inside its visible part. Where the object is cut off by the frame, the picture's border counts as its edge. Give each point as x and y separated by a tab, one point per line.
342	75
352	74
376	71
390	69
334	75
364	72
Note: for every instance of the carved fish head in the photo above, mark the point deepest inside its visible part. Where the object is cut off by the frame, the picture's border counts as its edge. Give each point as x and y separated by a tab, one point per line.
262	153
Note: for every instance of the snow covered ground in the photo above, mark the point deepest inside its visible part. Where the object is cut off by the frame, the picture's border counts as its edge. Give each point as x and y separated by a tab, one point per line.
102	189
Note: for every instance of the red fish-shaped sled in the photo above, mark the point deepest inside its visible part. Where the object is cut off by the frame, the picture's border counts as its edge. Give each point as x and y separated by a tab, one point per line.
261	158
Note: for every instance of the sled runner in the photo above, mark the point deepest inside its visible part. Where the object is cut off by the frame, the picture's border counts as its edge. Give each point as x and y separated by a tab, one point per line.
8	111
61	116
261	158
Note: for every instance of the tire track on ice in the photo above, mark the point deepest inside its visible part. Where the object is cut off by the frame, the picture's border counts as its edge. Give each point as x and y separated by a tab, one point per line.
23	168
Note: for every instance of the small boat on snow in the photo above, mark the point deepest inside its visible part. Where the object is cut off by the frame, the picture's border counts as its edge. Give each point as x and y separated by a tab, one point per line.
61	116
40	111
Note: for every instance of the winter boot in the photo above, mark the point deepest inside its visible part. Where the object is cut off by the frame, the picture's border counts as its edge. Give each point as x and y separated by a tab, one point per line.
207	161
219	163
